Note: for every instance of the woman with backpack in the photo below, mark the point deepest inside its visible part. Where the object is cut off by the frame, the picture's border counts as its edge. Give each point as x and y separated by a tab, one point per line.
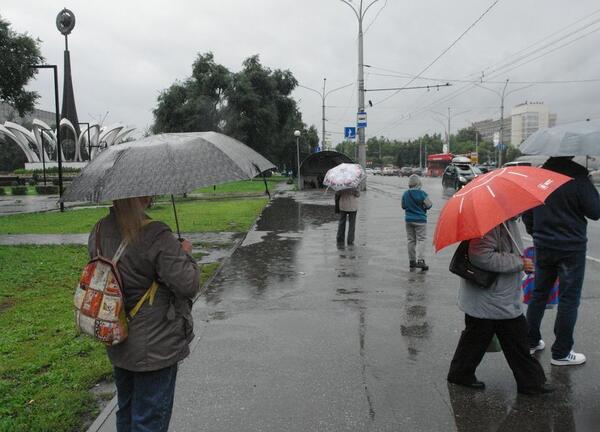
496	310
159	333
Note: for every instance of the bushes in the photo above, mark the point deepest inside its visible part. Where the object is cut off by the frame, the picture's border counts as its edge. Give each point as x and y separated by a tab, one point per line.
46	190
18	190
2	191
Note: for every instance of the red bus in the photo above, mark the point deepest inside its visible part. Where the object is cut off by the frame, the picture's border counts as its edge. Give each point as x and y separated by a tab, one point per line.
437	163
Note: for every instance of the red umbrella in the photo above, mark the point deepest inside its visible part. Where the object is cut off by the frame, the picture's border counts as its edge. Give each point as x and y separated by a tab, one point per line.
491	199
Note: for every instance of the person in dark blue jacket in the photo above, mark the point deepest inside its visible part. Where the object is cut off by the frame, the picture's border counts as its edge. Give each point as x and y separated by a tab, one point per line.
559	230
415	203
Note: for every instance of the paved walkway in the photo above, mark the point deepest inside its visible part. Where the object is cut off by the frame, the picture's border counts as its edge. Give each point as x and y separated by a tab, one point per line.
296	334
27	203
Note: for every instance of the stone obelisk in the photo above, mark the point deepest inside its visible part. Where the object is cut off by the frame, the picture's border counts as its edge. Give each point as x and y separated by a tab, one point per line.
65	22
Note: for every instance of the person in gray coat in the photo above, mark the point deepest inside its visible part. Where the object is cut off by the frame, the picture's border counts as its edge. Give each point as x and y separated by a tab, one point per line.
496	310
145	364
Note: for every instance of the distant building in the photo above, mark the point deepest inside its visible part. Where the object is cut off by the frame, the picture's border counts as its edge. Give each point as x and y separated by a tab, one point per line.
487	129
527	118
8	113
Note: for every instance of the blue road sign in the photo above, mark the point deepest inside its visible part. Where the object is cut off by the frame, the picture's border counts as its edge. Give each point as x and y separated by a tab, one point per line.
361	119
350	132
501	147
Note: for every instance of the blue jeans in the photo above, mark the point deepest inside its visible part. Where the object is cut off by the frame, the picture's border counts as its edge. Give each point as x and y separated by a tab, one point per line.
341	233
569	266
145	399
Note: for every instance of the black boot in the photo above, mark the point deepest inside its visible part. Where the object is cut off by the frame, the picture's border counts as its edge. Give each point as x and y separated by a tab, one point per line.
421	264
412	264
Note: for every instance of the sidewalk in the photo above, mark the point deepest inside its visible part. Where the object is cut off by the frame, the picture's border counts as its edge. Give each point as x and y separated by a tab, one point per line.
296	334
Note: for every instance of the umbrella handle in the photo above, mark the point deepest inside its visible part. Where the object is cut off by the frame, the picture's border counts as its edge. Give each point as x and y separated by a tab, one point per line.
176	219
512	238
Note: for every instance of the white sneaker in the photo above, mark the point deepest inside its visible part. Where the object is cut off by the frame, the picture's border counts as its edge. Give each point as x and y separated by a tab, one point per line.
540	346
572	359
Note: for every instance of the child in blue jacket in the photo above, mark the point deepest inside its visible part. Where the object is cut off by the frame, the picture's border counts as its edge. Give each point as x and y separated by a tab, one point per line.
415	203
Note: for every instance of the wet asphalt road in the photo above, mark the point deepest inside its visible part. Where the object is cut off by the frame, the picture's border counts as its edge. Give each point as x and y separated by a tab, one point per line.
297	334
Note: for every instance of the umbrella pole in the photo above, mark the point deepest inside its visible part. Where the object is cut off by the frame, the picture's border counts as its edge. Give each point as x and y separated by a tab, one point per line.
266	186
176	220
512	238
262	173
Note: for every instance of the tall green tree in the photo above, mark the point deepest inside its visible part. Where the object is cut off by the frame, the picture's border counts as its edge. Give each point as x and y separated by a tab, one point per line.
253	105
196	104
18	51
260	109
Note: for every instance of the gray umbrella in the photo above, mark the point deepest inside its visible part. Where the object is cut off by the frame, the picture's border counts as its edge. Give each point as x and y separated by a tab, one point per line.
572	139
171	163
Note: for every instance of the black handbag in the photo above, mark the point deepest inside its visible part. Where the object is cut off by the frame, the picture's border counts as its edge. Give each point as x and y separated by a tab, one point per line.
462	266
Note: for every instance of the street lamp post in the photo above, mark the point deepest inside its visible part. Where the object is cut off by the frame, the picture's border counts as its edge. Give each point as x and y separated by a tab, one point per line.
57	119
323	96
360	14
502	96
297	135
447	128
43	158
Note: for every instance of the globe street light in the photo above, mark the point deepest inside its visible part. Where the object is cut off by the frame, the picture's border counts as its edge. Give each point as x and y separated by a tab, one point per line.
297	135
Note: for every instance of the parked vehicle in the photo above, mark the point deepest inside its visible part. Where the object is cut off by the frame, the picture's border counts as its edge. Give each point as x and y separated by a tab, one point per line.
459	173
405	171
417	171
485	168
517	163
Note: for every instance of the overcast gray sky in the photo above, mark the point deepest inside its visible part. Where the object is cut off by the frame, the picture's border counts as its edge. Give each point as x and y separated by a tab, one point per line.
124	53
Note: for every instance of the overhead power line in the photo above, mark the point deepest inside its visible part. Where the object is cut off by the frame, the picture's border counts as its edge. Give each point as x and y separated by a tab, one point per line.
470	84
453	80
444	51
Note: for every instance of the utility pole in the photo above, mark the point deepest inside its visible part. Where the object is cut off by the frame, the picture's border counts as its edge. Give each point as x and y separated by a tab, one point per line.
360	14
502	96
297	135
501	144
477	144
323	129
448	130
446	126
323	95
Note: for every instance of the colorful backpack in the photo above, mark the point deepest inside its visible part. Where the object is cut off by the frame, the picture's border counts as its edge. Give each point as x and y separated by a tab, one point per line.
99	304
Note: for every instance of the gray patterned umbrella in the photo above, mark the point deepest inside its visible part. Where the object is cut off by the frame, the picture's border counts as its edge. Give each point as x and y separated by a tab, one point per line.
171	163
571	139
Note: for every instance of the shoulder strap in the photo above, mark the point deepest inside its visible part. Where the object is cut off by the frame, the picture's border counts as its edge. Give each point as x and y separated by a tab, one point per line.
119	252
413	198
97	238
148	295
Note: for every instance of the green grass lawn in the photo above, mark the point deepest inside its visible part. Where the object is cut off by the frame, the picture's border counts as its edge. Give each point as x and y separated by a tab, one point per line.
46	369
256	185
194	216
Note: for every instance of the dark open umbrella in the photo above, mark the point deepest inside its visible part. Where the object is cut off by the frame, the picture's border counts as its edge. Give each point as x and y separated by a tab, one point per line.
165	164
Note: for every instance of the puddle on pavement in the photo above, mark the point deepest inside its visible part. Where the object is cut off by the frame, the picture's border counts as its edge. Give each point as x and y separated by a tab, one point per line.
285	214
269	252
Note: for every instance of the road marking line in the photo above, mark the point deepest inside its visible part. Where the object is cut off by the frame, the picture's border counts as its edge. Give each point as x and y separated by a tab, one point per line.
590	258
